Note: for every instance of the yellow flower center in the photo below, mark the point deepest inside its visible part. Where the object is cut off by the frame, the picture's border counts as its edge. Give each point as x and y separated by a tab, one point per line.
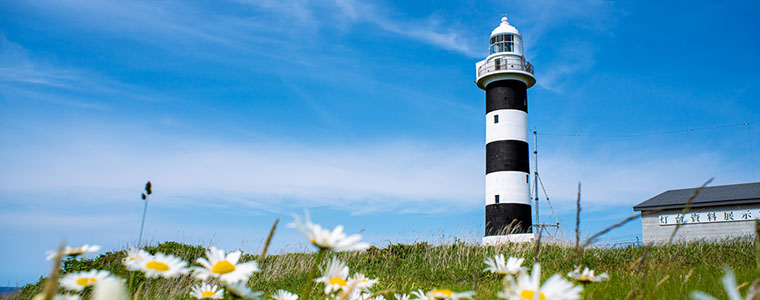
323	240
529	294
337	280
157	265
223	267
84	281
207	294
443	293
73	252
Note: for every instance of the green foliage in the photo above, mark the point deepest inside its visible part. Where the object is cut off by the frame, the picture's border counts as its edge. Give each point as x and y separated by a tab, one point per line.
635	271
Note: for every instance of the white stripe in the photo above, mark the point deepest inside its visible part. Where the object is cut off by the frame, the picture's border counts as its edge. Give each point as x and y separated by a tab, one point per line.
511	186
493	240
512	125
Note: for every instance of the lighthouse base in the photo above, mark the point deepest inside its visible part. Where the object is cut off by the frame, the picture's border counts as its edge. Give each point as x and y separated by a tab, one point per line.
493	240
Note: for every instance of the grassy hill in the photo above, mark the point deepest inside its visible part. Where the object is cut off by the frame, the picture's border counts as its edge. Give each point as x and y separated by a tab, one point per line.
646	272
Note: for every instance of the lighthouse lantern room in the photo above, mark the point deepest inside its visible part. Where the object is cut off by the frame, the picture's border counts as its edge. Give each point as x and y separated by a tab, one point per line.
505	75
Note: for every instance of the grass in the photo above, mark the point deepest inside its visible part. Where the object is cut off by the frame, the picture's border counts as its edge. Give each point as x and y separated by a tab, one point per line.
644	272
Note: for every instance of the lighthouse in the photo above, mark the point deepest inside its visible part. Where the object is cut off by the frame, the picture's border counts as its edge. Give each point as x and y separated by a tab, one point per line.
505	75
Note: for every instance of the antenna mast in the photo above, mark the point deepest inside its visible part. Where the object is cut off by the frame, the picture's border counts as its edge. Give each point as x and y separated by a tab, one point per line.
535	175
536	182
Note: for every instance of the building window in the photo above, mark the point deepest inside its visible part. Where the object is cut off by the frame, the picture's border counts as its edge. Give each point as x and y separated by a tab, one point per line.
496	199
502	43
495	119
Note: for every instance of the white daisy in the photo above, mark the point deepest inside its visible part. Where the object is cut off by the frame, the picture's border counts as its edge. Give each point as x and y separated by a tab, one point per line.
587	275
366	296
729	284
362	282
328	240
110	288
528	287
284	295
206	291
133	257
166	266
224	267
497	265
73	252
448	294
420	294
58	297
334	276
78	281
402	296
241	290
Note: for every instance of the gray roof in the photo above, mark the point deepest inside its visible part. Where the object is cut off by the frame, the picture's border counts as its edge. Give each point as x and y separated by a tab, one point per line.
746	193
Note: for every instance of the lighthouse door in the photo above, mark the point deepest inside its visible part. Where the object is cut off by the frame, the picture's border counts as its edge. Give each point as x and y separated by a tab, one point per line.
497	64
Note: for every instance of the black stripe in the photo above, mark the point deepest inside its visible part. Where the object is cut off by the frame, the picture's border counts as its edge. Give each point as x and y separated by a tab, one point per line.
506	94
507	218
507	155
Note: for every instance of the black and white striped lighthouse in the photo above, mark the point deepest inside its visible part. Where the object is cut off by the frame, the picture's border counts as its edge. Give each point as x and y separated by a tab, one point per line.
505	75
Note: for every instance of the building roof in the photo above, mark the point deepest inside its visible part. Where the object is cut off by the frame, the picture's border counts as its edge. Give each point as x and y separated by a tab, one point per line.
504	27
746	193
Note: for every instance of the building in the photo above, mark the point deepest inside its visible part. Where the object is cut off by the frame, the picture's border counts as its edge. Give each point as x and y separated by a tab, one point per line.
505	75
718	212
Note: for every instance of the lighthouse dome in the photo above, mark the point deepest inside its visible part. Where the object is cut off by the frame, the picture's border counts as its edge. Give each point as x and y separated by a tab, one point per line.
506	59
504	27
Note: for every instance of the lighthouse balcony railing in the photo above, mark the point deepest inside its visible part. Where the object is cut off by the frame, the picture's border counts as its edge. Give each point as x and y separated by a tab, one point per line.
504	65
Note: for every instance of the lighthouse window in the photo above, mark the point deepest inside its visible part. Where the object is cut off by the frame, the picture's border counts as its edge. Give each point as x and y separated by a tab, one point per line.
496	119
502	43
496	199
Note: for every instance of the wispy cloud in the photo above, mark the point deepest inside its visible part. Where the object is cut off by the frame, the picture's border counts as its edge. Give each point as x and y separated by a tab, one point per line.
567	61
557	59
355	177
16	67
358	177
432	30
62	222
265	24
609	179
26	77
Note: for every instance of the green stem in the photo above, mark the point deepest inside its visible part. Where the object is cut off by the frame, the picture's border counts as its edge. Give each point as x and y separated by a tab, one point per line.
131	279
313	273
152	287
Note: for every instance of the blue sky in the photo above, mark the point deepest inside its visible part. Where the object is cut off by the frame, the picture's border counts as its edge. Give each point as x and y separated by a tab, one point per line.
363	112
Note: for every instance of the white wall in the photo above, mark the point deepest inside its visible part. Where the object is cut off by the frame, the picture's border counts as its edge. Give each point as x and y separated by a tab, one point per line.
655	233
513	125
511	186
